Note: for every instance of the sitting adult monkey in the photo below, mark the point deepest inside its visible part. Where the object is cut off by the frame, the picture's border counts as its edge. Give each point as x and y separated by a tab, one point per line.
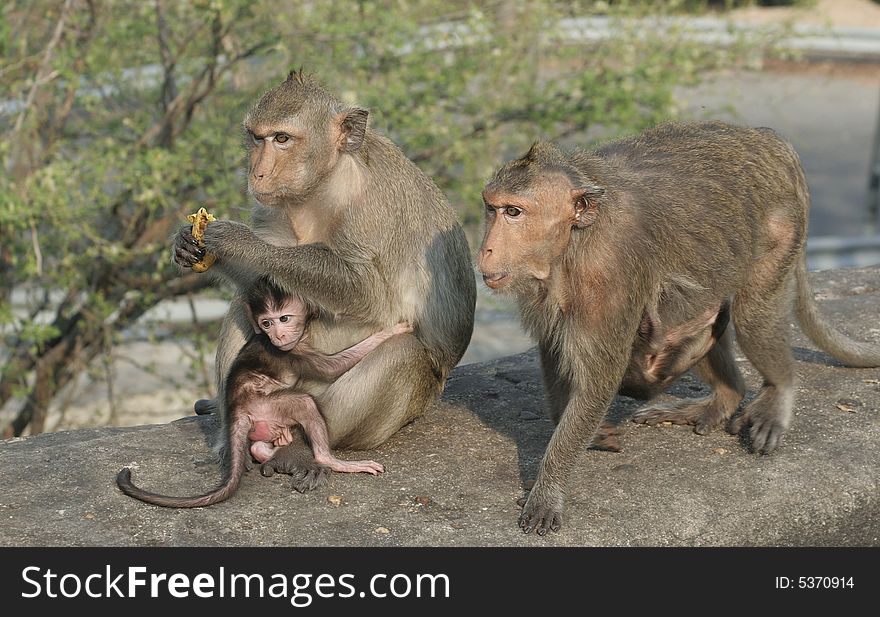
680	226
346	221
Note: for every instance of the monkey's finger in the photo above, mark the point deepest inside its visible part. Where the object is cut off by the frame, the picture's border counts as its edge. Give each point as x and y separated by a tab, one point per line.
654	415
186	237
187	256
374	468
543	522
736	426
527	522
765	437
540	518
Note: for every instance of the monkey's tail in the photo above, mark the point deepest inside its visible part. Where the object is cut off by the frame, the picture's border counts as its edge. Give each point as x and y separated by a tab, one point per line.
237	449
850	352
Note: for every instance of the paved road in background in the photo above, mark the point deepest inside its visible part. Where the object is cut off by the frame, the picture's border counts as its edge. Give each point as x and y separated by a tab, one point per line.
830	119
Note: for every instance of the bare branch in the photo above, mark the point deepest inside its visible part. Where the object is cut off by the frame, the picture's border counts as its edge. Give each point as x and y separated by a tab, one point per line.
38	254
169	62
43	73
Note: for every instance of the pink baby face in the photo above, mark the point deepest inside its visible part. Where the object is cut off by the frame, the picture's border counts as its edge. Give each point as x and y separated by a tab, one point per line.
286	325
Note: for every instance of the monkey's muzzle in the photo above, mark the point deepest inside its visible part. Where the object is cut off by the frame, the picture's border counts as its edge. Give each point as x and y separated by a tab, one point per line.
496	280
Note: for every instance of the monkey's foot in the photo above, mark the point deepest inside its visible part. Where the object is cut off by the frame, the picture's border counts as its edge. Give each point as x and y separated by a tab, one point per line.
704	414
606	438
205	406
540	513
370	467
297	460
767	417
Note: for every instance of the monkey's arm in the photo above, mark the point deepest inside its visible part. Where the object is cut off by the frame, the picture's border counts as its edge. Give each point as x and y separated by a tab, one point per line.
594	369
332	367
337	284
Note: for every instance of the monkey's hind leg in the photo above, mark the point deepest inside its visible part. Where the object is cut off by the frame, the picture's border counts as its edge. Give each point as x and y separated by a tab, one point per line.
718	369
390	387
761	312
763	336
337	464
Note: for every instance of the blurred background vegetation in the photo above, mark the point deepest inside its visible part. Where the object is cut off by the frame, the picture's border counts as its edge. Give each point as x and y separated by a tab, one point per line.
120	117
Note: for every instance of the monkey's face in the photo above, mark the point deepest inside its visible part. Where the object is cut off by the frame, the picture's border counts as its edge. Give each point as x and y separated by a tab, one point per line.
286	161
296	135
527	231
284	325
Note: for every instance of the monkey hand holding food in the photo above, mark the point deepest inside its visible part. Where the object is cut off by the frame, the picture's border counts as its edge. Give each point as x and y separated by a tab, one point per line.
199	222
188	250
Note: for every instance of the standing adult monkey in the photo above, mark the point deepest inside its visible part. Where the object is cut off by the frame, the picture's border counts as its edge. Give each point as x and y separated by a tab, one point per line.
346	221
627	263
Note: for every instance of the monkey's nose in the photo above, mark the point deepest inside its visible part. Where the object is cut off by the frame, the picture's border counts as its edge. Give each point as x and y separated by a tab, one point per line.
482	257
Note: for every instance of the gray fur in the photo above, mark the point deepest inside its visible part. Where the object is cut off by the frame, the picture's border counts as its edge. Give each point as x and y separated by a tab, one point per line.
350	224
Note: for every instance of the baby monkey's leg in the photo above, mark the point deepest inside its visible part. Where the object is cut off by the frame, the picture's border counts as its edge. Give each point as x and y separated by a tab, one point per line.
301	409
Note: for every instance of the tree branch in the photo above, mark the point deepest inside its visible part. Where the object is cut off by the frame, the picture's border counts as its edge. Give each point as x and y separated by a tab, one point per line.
43	72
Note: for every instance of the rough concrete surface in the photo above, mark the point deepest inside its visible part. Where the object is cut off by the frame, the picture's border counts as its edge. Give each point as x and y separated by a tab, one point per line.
454	475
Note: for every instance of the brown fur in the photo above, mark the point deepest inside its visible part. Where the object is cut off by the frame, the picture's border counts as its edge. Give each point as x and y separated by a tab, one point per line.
663	228
348	222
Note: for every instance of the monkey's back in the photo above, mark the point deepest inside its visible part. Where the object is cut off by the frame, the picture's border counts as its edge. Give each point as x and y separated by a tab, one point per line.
422	253
708	185
260	369
713	165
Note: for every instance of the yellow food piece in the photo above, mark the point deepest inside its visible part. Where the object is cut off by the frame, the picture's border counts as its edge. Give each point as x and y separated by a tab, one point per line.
199	222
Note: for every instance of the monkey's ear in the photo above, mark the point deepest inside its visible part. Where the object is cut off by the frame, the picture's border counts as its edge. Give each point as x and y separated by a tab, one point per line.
250	316
352	127
586	204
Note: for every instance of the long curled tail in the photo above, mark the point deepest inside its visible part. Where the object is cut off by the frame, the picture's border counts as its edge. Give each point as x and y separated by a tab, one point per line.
850	352
237	451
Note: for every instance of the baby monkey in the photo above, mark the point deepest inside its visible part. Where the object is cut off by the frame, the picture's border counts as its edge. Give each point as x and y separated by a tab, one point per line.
261	395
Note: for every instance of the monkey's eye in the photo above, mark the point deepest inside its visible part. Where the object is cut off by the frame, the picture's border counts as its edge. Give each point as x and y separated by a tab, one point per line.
265	324
254	138
512	211
281	138
284	318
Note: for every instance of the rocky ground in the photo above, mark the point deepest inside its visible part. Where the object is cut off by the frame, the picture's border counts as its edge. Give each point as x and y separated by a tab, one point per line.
453	476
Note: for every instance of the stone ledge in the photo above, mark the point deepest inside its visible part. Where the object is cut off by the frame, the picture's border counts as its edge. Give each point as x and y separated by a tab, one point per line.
453	476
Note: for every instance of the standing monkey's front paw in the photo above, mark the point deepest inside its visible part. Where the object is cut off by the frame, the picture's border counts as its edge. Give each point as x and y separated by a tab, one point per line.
540	513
